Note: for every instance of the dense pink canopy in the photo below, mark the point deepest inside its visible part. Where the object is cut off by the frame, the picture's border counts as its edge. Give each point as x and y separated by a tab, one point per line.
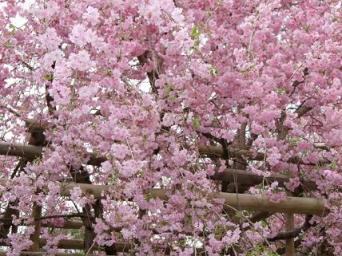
148	86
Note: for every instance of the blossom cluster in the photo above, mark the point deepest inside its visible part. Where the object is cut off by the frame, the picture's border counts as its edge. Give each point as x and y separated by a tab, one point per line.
145	84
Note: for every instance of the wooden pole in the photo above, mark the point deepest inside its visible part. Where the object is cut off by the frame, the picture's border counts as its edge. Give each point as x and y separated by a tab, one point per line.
289	225
44	254
217	152
36	214
78	244
68	224
31	152
299	205
23	150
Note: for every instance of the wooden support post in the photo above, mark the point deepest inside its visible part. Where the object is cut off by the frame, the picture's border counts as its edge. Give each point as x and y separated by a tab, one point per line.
289	225
36	214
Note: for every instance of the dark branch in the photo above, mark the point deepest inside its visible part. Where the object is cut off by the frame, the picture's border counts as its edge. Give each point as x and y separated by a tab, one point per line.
293	233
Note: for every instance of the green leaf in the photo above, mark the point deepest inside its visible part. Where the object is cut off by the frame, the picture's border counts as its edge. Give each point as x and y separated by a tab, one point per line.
261	250
333	165
196	122
293	141
8	44
219	232
168	89
195	33
48	77
213	71
280	91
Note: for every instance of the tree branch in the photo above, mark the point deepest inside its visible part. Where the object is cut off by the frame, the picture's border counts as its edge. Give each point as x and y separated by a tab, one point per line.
293	233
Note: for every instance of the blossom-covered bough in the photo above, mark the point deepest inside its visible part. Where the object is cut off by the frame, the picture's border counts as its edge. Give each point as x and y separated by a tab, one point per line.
147	127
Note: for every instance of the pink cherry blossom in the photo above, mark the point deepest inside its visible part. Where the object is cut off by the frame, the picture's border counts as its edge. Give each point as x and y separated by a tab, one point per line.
142	117
80	61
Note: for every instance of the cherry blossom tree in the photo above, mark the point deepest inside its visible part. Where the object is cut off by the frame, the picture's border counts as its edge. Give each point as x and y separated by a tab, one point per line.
146	127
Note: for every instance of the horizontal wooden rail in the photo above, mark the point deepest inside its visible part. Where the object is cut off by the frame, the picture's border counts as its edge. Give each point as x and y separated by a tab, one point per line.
44	254
31	152
68	224
228	175
78	244
298	205
63	244
239	201
22	150
252	179
217	151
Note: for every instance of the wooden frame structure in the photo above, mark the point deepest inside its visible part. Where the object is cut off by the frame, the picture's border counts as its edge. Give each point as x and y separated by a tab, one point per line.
239	201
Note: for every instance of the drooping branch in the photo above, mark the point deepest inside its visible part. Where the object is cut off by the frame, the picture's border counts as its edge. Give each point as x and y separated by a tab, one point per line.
260	216
49	99
10	211
82	176
37	138
152	75
293	233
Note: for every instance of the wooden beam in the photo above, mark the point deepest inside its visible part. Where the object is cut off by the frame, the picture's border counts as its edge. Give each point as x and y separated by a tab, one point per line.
217	151
298	205
78	244
44	254
68	244
23	150
239	201
31	152
228	175
67	224
251	179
